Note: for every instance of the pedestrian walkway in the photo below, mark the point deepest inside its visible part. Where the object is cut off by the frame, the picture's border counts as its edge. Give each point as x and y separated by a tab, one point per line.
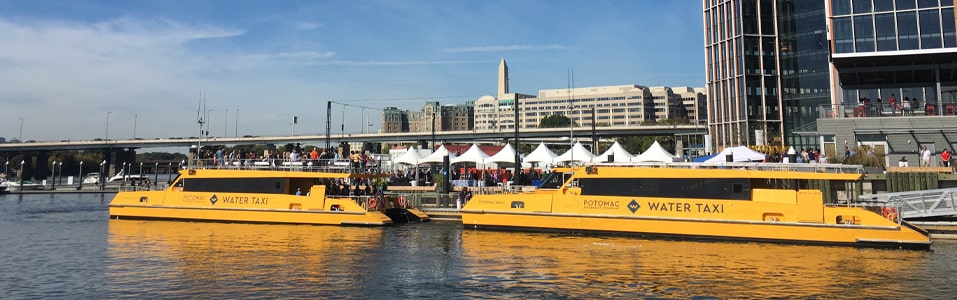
918	204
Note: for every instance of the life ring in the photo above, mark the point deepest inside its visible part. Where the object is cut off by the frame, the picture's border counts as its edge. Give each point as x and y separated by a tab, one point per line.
373	203
401	201
890	213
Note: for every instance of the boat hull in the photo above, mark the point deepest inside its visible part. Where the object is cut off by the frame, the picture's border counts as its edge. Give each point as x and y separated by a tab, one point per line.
701	229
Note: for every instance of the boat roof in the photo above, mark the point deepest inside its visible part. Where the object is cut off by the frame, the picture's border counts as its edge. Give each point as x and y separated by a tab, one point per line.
727	170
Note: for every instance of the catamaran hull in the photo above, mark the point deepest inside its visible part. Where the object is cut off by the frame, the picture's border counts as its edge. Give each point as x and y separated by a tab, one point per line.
702	229
310	217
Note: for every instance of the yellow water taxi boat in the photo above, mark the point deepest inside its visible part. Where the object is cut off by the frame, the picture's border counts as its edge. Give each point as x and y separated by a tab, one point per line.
292	196
735	201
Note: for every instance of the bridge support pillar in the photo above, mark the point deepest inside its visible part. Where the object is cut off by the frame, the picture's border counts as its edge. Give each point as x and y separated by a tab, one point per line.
41	170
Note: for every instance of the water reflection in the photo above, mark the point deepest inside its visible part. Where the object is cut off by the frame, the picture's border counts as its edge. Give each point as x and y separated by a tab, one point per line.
234	260
589	267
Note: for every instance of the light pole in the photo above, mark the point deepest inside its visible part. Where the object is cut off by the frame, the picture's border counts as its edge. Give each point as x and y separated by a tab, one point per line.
208	113
6	168
20	176
107	135
80	176
236	134
60	171
135	117
226	124
433	130
102	178
53	176
20	138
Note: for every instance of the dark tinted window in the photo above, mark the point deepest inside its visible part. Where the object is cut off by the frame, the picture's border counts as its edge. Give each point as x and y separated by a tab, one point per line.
701	188
235	185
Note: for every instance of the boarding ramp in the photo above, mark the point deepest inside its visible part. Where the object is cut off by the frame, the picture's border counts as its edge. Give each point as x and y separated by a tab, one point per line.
917	204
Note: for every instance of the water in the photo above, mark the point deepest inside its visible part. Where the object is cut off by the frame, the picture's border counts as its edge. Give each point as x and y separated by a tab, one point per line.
65	247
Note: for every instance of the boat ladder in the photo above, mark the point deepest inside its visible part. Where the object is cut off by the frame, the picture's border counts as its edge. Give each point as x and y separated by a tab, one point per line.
918	204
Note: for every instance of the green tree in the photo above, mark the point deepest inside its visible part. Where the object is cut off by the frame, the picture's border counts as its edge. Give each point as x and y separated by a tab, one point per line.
554	121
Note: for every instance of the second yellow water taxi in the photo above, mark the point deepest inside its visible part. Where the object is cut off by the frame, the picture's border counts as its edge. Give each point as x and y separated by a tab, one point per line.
735	201
292	196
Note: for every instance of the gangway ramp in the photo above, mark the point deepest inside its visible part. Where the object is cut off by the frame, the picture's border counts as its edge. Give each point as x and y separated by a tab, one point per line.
918	204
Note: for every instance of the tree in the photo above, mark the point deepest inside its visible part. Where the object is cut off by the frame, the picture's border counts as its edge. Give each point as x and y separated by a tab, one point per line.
554	121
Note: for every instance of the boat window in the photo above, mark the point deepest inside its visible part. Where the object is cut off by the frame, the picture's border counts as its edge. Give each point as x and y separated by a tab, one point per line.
697	188
518	204
553	180
235	185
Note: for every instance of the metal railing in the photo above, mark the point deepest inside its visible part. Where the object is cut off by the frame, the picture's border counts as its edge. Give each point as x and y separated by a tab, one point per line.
307	165
757	166
917	204
884	109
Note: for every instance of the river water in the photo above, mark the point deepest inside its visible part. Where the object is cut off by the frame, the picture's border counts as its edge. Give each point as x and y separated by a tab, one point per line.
64	246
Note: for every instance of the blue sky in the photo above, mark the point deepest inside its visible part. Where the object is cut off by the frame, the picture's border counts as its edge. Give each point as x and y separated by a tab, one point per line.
65	64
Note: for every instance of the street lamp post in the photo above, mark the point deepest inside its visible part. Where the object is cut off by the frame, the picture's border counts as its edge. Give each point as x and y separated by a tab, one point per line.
20	176
236	134
102	175
60	171
433	130
226	124
53	176
20	138
135	117
80	177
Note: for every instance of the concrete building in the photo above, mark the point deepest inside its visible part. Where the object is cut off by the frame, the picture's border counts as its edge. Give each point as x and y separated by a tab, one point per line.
448	117
618	105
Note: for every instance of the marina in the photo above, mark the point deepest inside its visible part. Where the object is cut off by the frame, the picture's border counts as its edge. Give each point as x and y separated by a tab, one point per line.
109	258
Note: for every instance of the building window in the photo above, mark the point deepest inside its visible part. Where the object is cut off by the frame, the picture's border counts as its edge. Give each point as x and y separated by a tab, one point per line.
843	35
886	37
907	30
841	7
864	32
930	29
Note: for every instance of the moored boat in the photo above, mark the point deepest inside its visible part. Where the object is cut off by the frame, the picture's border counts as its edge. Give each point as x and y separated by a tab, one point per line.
293	196
734	201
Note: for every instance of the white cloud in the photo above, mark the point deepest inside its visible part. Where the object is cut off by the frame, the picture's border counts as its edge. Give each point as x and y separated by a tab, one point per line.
499	48
308	25
58	74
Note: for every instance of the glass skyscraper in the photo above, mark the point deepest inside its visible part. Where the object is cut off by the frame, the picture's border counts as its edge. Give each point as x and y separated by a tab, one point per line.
773	68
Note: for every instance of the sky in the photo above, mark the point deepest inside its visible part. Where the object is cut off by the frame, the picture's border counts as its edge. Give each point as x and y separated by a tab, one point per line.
80	70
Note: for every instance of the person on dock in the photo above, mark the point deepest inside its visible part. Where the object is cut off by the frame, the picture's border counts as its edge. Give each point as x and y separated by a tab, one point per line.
945	157
924	157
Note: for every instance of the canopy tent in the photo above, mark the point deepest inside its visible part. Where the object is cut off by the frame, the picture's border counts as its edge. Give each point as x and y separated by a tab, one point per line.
506	155
472	155
576	153
541	154
655	153
436	157
410	157
739	153
619	152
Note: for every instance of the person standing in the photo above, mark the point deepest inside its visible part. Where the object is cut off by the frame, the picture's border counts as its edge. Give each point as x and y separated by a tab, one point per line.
924	157
945	157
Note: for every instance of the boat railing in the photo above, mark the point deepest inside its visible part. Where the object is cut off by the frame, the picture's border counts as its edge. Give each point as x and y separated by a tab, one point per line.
758	166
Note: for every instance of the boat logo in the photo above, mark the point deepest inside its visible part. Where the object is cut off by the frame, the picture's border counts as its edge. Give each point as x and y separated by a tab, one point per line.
633	206
213	199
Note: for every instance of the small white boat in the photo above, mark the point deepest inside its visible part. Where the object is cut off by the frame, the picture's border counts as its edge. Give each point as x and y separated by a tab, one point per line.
91	178
16	186
120	178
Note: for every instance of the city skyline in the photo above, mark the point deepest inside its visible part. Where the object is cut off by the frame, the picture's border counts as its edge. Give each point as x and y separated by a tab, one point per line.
69	68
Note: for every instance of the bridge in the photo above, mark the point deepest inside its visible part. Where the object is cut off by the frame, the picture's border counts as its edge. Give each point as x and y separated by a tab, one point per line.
333	139
123	151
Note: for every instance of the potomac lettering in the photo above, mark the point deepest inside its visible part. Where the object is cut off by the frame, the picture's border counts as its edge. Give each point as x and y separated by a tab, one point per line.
686	207
600	204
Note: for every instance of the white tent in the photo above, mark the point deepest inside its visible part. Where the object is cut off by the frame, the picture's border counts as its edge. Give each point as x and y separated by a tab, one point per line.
621	155
740	153
655	153
472	155
506	155
576	153
410	157
541	154
436	157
